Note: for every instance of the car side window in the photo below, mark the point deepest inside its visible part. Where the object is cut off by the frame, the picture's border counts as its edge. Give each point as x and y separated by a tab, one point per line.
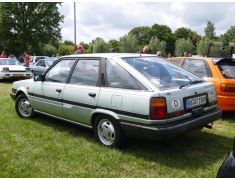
198	67
117	77
60	72
86	72
41	63
176	61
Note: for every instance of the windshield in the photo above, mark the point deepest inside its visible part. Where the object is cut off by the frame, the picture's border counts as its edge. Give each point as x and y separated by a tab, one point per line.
9	62
161	73
227	68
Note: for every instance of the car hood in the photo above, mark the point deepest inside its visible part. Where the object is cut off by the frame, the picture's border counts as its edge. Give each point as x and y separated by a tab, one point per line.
13	67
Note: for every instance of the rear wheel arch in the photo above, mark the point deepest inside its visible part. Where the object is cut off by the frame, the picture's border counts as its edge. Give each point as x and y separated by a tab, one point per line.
95	115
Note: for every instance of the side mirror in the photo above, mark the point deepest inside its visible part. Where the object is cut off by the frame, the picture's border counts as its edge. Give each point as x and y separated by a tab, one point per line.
38	78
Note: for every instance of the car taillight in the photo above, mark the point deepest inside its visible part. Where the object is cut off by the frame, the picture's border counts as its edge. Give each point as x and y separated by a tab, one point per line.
158	108
227	87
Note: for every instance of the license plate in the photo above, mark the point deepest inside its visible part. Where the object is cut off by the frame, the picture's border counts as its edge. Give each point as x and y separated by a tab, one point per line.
18	75
195	101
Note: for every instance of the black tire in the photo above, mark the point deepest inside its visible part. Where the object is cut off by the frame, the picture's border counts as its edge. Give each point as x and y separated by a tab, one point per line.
119	139
19	110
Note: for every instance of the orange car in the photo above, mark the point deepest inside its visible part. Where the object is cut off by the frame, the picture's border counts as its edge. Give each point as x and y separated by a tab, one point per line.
219	70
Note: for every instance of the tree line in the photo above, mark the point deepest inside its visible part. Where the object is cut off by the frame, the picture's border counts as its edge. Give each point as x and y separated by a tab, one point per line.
36	27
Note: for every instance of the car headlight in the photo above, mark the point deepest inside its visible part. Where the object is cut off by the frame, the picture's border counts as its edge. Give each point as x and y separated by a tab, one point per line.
13	90
5	69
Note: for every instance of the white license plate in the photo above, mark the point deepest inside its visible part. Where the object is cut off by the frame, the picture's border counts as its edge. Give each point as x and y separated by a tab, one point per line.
195	101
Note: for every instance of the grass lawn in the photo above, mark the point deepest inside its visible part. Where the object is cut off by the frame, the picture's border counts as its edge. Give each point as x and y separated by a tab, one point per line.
45	147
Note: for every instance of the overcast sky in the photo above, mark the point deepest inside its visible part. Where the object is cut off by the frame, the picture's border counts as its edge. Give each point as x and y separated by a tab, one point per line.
113	20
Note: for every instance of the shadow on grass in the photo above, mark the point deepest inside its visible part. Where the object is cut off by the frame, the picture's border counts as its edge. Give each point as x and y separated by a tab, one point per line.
191	151
63	126
229	116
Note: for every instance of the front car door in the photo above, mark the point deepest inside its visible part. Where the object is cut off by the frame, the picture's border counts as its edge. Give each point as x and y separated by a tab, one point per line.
47	94
82	91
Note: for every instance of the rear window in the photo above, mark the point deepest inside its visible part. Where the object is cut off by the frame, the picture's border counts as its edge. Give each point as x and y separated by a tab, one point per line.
163	74
227	68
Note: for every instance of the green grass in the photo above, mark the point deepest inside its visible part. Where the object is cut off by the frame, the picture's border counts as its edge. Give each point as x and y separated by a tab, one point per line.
45	147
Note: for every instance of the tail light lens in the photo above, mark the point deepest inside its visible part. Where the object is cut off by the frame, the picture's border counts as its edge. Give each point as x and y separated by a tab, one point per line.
158	108
227	87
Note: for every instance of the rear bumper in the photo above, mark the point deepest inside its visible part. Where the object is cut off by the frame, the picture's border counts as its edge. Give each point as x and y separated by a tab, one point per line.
226	103
169	129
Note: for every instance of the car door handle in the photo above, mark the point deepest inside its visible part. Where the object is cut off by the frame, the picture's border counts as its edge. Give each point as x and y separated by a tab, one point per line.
58	90
92	94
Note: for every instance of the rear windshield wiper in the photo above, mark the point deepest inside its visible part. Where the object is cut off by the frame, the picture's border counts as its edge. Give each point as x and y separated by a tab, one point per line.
191	82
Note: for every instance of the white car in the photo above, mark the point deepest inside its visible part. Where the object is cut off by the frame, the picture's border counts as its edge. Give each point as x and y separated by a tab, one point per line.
11	68
34	59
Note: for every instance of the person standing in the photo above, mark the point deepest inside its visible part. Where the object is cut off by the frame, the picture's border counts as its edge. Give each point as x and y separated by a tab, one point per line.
4	54
159	53
79	49
146	50
26	58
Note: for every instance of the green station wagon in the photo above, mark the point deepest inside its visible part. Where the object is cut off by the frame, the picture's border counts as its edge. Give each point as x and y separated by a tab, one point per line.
120	96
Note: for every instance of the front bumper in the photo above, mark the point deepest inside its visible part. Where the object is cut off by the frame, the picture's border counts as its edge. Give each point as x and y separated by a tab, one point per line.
13	96
172	129
15	75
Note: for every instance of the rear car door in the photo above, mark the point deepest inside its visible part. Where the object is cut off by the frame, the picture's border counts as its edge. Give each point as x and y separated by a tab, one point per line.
47	94
82	91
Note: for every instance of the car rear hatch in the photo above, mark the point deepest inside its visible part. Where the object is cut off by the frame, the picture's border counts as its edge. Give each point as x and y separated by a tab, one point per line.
226	68
189	100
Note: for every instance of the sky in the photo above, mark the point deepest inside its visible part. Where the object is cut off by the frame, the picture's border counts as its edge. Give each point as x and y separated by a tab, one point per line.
111	20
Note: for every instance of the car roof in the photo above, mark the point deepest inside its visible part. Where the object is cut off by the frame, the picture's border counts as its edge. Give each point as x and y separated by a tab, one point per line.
111	55
215	60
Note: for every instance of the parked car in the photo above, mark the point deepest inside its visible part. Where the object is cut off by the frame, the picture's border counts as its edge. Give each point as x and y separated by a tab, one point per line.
42	65
119	95
227	169
34	59
219	69
11	68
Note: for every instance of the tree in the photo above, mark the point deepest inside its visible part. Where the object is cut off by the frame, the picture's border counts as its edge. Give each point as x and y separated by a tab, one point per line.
49	50
86	47
114	45
26	24
100	46
229	35
210	30
187	33
128	44
142	34
67	42
182	45
163	33
203	46
156	45
66	49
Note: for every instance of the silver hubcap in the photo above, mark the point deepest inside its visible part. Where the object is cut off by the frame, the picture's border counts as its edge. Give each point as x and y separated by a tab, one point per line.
25	107
106	132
